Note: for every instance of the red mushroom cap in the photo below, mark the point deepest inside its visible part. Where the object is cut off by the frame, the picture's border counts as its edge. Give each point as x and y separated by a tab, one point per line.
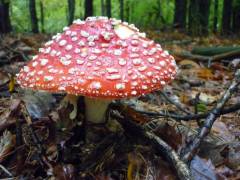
99	57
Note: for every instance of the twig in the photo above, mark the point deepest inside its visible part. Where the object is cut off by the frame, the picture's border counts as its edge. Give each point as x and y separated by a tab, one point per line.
175	42
170	100
192	148
179	117
228	55
167	152
188	55
6	171
174	159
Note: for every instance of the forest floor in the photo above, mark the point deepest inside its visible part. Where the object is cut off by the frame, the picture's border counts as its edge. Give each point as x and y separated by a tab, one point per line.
39	141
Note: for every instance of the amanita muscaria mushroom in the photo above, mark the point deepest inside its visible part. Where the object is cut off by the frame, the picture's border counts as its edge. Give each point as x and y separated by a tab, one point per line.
101	59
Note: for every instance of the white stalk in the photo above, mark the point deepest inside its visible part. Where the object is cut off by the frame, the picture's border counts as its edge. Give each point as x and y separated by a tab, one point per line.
95	109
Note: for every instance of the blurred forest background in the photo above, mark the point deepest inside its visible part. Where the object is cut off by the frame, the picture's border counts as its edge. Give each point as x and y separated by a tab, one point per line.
196	17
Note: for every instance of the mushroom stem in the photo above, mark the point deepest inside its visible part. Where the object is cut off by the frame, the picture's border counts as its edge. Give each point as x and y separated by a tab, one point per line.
96	109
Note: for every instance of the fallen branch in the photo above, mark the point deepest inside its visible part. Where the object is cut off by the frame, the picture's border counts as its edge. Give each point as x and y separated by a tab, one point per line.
226	55
175	42
166	151
188	55
190	117
176	104
6	171
192	148
214	50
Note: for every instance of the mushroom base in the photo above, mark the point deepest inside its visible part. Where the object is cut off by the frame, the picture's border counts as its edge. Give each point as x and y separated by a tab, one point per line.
95	110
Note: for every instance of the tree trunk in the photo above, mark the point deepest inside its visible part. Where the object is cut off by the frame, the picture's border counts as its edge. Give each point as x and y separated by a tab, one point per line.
236	17
198	17
71	11
127	11
33	16
180	14
215	16
88	8
226	17
42	16
121	9
194	18
109	8
5	23
102	7
204	11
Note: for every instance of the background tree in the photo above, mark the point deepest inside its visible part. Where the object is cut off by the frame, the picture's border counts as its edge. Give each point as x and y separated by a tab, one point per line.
226	16
190	15
198	17
180	14
127	11
71	11
88	8
236	17
121	2
33	16
5	23
204	12
215	16
194	17
109	8
103	7
42	15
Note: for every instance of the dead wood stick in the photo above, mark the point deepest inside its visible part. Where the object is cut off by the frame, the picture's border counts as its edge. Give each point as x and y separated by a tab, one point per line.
167	152
180	117
181	168
6	171
226	55
191	149
176	104
176	42
188	55
213	50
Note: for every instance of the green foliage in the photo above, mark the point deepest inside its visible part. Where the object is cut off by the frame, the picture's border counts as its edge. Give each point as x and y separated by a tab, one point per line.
201	107
20	15
154	14
55	14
